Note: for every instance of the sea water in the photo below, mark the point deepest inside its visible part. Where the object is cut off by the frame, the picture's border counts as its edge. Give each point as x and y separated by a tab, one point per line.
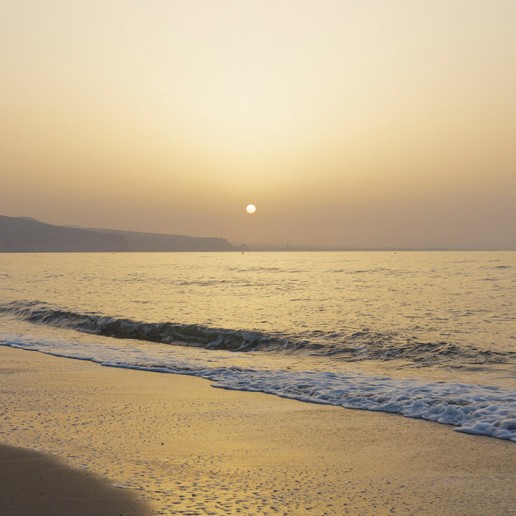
428	335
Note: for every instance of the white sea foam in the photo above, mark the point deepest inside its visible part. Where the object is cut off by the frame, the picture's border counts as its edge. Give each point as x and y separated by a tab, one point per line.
473	409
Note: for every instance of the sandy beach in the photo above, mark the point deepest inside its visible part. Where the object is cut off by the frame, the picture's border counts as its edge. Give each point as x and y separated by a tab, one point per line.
183	447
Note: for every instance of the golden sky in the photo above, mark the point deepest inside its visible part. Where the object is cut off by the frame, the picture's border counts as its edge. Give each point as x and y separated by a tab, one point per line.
347	122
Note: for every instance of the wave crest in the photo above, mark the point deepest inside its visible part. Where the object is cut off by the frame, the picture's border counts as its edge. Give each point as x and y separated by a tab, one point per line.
357	346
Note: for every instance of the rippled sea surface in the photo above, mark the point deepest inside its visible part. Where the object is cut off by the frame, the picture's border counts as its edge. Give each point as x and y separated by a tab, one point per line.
424	334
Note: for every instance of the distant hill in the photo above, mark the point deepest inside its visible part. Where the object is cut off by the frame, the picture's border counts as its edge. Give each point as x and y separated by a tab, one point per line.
150	242
24	234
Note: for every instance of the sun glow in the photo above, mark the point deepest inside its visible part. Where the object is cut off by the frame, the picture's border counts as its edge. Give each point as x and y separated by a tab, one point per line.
250	208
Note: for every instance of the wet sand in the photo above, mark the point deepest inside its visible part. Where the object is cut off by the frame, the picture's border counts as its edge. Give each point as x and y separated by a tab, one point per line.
188	448
35	484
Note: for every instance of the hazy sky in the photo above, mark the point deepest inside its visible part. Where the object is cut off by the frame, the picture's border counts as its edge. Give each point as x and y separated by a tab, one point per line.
347	122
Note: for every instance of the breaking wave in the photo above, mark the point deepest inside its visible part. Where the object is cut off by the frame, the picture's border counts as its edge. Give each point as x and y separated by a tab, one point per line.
356	346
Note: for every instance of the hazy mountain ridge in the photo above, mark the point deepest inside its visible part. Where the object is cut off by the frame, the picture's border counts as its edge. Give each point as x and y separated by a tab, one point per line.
24	234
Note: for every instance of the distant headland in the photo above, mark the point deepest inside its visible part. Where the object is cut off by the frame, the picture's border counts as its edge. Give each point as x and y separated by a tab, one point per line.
25	235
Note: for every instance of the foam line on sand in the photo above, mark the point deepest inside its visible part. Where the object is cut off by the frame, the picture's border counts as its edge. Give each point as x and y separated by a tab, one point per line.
187	448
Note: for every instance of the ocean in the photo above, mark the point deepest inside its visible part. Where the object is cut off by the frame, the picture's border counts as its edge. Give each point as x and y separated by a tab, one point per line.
428	335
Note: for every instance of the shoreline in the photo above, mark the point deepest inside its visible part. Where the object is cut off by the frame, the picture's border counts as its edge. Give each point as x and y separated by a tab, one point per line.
184	446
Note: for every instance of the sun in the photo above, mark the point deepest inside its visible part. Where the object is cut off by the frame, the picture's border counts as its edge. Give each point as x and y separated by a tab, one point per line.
250	208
